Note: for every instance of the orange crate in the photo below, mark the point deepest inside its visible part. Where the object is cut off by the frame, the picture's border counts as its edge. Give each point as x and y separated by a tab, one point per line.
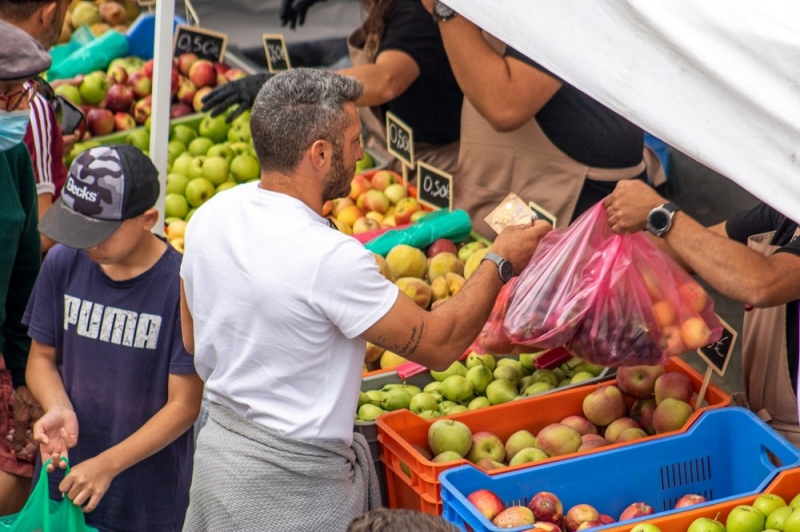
413	481
786	484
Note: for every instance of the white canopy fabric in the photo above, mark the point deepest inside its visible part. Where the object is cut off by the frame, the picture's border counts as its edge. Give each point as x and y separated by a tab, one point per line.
717	79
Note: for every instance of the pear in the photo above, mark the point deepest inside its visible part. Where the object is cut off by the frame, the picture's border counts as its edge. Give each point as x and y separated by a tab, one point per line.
456	368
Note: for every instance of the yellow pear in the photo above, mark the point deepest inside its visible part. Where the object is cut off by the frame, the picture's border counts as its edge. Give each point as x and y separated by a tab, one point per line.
390	360
474	261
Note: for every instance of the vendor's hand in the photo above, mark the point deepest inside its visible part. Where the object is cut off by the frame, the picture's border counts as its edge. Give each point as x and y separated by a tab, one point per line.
293	12
241	91
56	432
630	203
87	482
517	243
26	411
428	5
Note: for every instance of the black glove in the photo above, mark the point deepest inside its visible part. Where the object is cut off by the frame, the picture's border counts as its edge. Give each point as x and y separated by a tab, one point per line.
295	14
242	91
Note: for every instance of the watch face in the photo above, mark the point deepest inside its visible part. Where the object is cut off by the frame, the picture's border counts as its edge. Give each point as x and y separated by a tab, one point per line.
506	271
659	220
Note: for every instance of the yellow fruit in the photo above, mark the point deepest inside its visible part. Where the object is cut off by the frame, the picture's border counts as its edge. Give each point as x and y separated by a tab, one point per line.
407	261
474	261
416	289
443	263
373	353
439	289
384	266
390	360
455	283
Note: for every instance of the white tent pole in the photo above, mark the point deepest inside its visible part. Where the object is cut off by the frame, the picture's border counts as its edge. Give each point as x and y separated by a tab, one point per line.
162	78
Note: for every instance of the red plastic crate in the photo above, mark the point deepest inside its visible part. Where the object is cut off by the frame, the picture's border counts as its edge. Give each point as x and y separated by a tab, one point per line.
418	487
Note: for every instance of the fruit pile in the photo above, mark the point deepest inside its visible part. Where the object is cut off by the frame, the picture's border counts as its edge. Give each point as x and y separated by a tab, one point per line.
99	16
480	382
120	98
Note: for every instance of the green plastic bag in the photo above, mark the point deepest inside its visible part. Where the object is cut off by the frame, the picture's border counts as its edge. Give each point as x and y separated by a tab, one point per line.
82	56
454	225
41	514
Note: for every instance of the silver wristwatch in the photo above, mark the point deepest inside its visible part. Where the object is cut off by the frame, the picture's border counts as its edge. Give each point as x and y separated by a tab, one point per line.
441	12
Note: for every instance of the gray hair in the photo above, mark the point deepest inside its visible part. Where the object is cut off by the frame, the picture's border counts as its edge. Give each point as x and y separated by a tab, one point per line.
296	108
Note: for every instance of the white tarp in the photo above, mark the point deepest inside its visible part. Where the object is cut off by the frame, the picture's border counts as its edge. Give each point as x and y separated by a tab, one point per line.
717	79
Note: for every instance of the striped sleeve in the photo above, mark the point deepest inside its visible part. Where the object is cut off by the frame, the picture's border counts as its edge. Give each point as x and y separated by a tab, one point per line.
39	140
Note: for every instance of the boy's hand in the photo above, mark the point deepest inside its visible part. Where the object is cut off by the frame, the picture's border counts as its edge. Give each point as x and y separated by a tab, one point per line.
56	432
87	482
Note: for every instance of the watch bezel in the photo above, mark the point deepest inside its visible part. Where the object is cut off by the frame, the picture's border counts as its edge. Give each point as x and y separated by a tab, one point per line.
667	210
442	12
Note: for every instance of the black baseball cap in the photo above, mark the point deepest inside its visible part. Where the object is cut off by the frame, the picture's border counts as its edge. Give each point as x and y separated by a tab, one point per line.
105	186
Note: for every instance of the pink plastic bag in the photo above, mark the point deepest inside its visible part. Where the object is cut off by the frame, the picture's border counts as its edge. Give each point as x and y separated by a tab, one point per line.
493	338
552	297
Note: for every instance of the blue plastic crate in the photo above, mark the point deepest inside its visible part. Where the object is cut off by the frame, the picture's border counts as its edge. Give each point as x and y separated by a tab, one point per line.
142	34
726	454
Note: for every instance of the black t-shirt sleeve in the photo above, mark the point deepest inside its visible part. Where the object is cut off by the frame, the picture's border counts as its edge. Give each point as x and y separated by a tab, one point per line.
760	219
519	56
792	247
412	33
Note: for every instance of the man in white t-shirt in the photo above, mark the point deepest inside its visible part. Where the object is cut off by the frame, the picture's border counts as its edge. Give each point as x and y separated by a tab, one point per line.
277	307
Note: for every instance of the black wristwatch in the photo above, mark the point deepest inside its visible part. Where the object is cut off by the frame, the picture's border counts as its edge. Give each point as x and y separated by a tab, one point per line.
504	268
659	220
441	12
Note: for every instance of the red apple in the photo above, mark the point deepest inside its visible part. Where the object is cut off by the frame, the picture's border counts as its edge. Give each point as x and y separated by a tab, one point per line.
147	70
441	245
487	503
221	68
693	293
580	424
221	79
547	507
234	74
579	514
203	74
186	91
607	519
673	385
123	122
140	84
689	500
142	109
588	525
118	74
179	109
175	82
487	464
100	122
405	209
638	381
185	62
541	526
637	509
642	412
513	517
119	99
197	101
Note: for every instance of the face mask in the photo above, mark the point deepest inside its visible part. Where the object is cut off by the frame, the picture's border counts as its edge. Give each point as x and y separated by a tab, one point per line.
13	126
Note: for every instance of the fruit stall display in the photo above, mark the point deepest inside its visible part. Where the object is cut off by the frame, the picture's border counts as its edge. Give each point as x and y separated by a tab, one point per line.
552	427
776	508
724	455
99	16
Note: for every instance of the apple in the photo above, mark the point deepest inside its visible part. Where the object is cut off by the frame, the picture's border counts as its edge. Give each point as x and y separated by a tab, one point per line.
175	205
557	439
216	169
528	455
645	527
350	214
185	62
123	122
664	313
197	101
375	200
695	333
582	425
487	464
215	129
487	503
638	381
607	519
240	132
148	67
142	109
694	294
186	92
441	245
196	167
705	524
183	134
140	85
178	110
768	502
176	229
382	179
670	415
449	435
485	445
339	204
225	186
745	518
182	163
203	74
117	74
395	192
616	427
200	146
604	405
642	412
591	441
671	341
358	186
198	191
176	184
777	517
589	525
792	523
234	74
174	150
541	526
221	150
70	92
513	517
637	509
93	88
100	122
365	225
579	514
689	500
630	435
547	507
119	99
673	385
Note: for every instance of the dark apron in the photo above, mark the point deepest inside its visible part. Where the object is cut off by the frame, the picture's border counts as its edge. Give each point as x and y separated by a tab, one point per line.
765	366
443	157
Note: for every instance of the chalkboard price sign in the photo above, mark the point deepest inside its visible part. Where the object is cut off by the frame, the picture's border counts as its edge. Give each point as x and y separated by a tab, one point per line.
434	187
277	56
542	214
206	44
400	139
718	354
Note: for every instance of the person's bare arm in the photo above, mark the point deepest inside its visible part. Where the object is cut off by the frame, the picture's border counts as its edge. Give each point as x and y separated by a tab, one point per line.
45	202
730	267
505	91
187	323
435	339
389	77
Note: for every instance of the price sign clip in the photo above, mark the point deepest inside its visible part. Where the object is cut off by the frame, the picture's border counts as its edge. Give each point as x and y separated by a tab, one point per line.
277	55
400	143
434	187
717	356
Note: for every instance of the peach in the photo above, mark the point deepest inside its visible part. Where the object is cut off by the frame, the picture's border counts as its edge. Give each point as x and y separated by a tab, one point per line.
382	179
442	264
406	261
417	289
358	185
384	267
349	215
695	333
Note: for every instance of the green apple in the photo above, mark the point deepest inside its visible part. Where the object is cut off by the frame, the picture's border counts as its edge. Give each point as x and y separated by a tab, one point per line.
501	391
242	118
215	129
645	527
522	439
240	147
705	524
216	169
198	191
529	454
447	456
148	123
245	167
191	213
449	435
176	184
174	149
456	368
457	388
227	185
139	138
221	150
422	402
200	146
479	402
196	167
480	377
175	205
70	92
181	164
745	518
795	502
93	88
768	502
474	359
792	523
240	132
777	517
183	134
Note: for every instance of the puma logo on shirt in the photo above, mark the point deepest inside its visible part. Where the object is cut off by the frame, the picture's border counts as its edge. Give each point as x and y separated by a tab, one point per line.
110	324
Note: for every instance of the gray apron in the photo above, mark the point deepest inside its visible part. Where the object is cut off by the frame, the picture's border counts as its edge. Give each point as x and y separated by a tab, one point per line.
443	157
765	366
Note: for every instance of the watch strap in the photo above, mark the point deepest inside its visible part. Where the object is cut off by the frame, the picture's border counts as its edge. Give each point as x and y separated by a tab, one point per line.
504	268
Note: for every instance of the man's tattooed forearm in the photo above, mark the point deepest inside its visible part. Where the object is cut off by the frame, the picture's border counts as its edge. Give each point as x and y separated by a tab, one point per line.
410	347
